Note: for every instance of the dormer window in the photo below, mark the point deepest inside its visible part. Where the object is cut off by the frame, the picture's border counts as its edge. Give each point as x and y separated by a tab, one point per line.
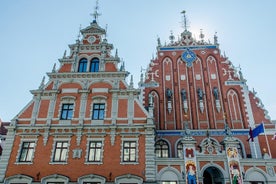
94	66
82	65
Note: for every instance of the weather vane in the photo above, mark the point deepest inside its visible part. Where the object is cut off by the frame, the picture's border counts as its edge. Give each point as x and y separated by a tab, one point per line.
96	14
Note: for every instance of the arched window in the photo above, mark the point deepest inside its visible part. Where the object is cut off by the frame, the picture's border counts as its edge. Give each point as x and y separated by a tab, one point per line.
240	149
162	149
94	65
82	65
180	150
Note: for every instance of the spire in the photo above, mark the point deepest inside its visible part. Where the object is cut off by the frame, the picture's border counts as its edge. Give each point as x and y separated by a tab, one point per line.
185	21
42	83
201	36
215	39
131	81
96	14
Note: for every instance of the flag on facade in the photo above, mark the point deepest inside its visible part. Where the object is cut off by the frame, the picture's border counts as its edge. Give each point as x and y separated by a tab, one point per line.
255	132
250	135
258	130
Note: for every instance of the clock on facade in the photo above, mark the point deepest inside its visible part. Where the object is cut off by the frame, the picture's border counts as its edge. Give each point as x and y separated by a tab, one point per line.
91	39
189	57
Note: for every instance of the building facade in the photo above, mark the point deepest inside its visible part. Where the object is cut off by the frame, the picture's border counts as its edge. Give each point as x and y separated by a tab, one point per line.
187	123
203	111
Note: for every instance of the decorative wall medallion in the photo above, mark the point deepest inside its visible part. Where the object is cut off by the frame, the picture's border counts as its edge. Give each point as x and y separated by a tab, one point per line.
161	53
182	77
173	53
198	77
189	57
213	76
203	52
215	51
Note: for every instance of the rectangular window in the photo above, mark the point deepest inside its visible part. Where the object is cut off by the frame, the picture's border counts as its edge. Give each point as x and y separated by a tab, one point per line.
129	151
98	111
67	111
27	151
60	153
94	151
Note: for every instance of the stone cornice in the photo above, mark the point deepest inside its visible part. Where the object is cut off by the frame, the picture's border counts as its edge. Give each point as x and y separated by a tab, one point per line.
66	60
88	75
44	92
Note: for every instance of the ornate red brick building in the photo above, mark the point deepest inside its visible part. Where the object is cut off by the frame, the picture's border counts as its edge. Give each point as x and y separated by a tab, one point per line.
203	111
188	122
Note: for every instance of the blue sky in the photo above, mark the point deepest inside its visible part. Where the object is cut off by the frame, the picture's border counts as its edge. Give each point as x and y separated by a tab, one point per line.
35	33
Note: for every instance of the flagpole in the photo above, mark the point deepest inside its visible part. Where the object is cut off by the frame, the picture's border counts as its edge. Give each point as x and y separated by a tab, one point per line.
267	143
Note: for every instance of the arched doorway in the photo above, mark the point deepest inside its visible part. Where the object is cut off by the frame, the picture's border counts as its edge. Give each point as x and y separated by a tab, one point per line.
213	175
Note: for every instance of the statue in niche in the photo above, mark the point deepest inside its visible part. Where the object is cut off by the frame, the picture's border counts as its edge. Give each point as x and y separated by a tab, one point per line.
183	94
200	93
216	93
169	94
227	130
150	99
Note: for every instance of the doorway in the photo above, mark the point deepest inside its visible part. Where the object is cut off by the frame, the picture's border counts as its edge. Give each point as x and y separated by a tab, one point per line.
213	175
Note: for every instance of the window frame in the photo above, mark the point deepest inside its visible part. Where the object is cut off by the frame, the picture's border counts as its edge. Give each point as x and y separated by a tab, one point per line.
60	151
64	151
27	155
69	111
19	152
83	65
94	65
162	151
133	150
98	113
179	148
96	150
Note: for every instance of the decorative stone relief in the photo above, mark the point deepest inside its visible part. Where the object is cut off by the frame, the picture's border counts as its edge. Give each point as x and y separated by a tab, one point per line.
182	77
77	153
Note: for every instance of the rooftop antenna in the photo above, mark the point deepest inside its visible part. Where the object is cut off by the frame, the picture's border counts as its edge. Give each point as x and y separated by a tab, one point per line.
96	14
185	20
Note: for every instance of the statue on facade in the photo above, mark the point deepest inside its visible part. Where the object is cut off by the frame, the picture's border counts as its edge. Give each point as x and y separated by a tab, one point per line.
183	94
216	93
169	94
200	93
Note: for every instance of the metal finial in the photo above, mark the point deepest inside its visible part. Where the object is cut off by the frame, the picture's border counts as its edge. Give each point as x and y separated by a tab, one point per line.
106	26
201	35
79	33
171	37
131	81
184	20
96	14
42	83
215	38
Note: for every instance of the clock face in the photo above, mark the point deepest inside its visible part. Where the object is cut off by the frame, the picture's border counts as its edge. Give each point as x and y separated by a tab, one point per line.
92	39
189	57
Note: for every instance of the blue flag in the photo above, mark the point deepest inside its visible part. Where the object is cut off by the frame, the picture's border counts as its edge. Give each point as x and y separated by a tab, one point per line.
259	129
